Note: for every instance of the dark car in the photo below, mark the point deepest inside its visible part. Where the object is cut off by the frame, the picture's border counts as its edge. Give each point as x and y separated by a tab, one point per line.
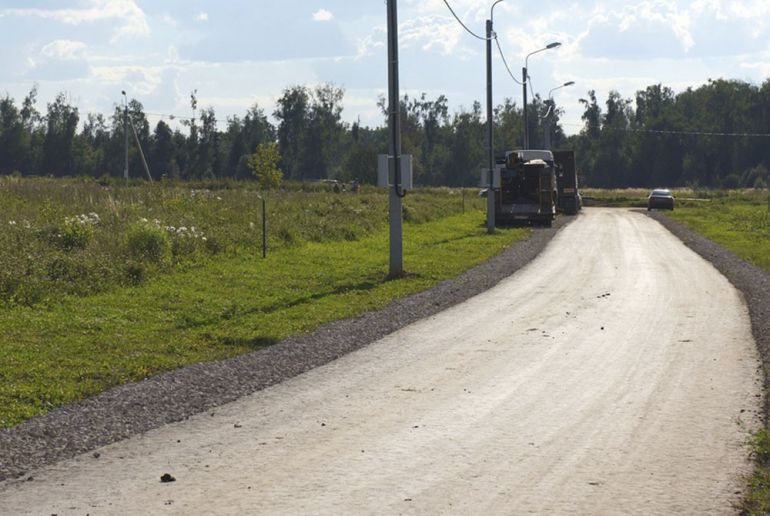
660	198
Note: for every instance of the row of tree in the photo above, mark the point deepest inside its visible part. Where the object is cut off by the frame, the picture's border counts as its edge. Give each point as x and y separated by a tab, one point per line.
715	135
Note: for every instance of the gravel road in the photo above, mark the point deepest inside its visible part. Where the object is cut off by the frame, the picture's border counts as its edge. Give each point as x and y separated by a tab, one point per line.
616	373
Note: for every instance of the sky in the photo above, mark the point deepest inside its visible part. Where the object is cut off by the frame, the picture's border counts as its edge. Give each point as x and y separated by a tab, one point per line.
237	53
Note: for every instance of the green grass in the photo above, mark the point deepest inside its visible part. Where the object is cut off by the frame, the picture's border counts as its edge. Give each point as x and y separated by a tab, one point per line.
757	500
737	220
59	352
80	237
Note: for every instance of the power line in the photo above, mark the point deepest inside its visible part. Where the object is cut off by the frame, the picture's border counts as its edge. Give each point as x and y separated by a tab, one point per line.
223	123
494	37
674	132
170	117
463	25
502	56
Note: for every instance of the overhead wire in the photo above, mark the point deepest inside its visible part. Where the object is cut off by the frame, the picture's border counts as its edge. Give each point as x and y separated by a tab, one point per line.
493	37
222	123
674	132
502	56
464	26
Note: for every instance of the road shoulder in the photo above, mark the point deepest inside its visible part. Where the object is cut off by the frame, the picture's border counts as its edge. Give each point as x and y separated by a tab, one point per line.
751	281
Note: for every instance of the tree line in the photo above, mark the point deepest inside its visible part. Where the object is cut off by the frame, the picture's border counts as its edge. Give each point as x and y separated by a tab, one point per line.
714	135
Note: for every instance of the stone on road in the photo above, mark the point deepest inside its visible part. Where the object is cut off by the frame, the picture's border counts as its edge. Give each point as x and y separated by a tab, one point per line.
615	374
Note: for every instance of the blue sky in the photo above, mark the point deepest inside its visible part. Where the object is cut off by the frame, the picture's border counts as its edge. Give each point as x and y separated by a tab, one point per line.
240	52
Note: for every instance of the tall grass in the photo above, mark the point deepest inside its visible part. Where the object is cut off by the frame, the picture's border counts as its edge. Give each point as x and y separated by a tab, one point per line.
130	294
80	237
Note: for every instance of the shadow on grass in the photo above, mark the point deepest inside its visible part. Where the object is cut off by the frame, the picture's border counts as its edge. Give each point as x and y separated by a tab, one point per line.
459	238
339	290
253	343
187	322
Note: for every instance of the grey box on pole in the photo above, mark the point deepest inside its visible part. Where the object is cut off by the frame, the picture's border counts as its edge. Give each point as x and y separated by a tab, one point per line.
386	170
484	182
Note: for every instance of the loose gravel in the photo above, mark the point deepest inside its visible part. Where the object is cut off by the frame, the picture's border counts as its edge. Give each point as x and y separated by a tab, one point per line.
135	408
138	407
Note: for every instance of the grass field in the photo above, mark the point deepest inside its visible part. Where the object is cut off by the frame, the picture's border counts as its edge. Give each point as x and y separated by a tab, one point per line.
146	298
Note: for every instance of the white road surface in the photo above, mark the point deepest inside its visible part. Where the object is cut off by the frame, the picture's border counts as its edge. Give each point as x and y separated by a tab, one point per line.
615	374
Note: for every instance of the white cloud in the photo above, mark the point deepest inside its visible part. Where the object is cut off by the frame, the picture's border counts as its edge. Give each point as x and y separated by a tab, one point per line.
134	22
202	16
367	45
433	34
322	15
64	49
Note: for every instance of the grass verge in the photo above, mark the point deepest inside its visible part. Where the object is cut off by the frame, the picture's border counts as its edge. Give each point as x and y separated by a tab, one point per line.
64	351
738	222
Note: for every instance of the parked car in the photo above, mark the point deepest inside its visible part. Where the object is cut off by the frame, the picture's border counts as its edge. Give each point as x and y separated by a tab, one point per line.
660	198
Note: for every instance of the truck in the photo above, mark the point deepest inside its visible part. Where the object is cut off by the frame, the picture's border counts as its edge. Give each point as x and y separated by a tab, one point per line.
570	201
525	187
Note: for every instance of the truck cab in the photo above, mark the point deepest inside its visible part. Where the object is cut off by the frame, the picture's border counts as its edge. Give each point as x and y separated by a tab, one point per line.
526	190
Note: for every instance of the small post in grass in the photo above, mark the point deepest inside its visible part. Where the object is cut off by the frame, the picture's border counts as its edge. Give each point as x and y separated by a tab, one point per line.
264	228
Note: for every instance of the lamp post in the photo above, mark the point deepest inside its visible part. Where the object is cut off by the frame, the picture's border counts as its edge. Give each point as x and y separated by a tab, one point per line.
547	117
490	121
524	81
125	132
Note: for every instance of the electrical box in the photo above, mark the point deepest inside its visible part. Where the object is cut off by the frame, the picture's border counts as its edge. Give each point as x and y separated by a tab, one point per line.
386	171
484	183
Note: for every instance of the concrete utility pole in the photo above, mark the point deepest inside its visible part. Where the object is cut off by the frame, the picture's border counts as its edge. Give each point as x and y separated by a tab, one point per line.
125	133
394	160
526	121
490	124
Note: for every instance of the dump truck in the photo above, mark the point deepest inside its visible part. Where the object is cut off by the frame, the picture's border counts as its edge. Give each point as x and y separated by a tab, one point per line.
570	201
526	188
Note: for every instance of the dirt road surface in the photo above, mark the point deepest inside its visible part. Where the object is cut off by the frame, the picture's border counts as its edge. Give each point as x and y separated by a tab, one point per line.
615	374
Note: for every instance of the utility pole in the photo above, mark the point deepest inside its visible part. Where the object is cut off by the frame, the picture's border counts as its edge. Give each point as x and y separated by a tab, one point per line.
394	160
526	122
490	123
490	133
125	133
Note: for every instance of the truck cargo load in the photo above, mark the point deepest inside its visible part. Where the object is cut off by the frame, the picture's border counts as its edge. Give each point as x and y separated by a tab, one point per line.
570	201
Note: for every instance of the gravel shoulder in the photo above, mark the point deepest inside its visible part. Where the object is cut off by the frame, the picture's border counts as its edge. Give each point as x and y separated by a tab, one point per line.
138	407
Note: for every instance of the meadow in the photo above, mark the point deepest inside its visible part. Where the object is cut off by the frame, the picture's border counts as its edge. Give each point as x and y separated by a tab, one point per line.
103	284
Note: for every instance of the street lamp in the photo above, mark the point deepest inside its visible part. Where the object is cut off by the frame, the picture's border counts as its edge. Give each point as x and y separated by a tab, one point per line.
546	117
525	80
490	137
